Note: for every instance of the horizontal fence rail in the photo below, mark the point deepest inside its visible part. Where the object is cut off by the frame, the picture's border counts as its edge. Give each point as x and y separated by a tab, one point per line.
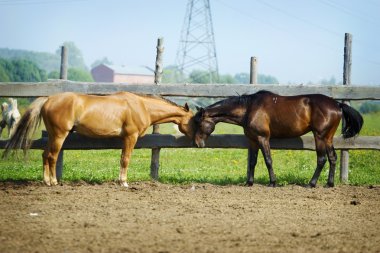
19	89
76	141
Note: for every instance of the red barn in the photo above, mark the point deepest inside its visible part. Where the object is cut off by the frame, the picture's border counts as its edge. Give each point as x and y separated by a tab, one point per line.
122	74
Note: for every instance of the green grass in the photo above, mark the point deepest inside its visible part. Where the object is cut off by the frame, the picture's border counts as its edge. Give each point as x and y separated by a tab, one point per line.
216	166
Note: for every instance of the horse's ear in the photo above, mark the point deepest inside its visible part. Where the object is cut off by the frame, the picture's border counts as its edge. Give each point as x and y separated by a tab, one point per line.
187	107
200	109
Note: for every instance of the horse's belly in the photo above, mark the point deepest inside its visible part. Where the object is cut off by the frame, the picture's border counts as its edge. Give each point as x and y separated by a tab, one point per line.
289	132
98	131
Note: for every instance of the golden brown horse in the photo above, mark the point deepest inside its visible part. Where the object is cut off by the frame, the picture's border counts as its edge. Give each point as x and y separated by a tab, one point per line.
125	115
266	115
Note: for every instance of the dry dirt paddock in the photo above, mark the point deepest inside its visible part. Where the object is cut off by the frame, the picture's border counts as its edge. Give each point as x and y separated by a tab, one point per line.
154	217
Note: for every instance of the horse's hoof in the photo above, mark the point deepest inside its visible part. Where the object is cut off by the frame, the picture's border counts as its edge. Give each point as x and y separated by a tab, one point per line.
309	186
329	185
249	184
54	182
272	184
124	184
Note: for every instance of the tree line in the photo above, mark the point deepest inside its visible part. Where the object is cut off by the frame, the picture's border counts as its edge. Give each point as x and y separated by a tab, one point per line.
23	65
27	66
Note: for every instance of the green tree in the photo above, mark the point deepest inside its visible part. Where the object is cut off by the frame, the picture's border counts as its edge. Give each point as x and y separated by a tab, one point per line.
331	81
242	78
201	76
266	79
75	57
171	74
45	61
77	74
369	107
226	79
21	70
4	77
53	75
74	74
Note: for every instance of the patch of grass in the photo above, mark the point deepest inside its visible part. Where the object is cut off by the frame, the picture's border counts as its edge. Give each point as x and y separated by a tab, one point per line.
183	166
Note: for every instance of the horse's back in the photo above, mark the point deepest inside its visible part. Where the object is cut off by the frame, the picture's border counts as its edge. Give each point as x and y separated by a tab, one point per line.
291	116
93	115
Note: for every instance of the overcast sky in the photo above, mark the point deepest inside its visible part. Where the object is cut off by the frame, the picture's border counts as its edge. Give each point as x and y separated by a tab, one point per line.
294	40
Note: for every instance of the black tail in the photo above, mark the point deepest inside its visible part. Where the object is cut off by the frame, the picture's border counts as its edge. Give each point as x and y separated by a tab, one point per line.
353	119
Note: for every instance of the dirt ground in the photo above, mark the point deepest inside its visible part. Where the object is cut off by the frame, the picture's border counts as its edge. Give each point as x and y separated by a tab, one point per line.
154	217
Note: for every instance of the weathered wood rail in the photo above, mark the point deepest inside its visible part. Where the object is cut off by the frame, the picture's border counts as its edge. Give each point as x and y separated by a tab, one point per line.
359	92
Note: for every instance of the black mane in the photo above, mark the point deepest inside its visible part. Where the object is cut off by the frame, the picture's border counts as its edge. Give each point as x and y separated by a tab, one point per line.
244	99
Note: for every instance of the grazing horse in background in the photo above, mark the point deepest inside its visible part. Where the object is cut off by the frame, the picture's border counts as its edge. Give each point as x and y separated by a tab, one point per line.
266	115
10	116
125	115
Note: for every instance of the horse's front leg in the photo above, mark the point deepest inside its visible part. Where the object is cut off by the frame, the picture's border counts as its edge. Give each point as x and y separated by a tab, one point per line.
252	161
129	143
265	149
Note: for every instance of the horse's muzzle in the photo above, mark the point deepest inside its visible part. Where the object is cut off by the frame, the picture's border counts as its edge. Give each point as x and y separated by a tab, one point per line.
200	143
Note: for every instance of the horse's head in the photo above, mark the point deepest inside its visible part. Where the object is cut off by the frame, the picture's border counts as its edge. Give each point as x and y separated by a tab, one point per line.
4	107
186	124
203	127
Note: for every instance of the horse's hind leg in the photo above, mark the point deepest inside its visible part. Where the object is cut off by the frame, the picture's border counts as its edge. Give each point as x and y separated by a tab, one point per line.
45	163
321	160
331	154
50	157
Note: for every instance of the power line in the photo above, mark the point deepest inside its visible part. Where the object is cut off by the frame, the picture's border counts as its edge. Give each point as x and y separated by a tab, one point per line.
273	26
36	2
347	11
299	19
249	15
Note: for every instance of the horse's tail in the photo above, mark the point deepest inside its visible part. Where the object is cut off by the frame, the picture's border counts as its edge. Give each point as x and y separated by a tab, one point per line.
28	124
353	121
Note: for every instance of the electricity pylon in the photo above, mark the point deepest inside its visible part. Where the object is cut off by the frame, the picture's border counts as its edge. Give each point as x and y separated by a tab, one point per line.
196	49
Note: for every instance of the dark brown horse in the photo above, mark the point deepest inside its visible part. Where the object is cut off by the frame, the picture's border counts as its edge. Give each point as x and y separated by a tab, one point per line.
125	115
265	115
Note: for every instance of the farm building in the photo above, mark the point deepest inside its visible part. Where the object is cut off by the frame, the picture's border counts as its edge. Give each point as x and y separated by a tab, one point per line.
122	74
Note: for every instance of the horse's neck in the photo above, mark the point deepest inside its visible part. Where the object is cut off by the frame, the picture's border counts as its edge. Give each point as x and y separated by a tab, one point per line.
227	113
163	112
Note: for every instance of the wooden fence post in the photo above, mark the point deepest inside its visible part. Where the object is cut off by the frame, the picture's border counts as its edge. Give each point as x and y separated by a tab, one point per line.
155	160
253	81
344	155
253	71
63	76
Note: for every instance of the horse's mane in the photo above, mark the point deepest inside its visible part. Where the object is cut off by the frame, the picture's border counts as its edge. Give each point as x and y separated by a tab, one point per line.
245	99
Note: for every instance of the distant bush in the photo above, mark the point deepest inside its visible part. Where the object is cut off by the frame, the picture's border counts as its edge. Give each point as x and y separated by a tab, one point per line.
20	70
74	74
369	107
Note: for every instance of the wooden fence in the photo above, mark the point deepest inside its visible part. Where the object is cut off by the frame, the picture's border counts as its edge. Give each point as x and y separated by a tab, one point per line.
156	141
